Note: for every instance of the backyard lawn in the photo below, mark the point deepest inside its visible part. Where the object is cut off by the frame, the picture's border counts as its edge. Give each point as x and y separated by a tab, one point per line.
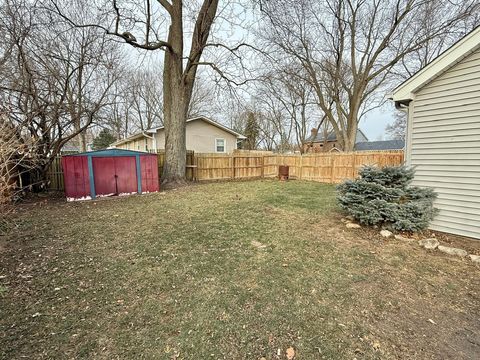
234	270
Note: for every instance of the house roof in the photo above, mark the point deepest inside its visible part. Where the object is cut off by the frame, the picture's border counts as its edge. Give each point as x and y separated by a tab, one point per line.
456	53
380	145
155	129
319	137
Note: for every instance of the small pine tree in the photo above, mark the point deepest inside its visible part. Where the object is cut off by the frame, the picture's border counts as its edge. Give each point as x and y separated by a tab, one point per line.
103	140
251	132
384	196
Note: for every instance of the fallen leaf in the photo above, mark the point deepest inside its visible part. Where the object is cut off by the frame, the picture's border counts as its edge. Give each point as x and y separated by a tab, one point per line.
290	353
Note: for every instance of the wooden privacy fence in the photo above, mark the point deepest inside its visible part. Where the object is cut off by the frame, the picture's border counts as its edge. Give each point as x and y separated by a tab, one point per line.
323	167
55	175
189	171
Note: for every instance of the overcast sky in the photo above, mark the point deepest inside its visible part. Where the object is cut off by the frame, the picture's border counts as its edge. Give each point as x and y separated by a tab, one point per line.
374	123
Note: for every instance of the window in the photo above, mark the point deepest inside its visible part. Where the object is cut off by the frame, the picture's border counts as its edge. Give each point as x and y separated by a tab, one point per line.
220	145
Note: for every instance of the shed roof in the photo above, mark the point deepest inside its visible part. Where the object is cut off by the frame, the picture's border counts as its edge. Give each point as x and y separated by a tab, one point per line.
456	53
380	145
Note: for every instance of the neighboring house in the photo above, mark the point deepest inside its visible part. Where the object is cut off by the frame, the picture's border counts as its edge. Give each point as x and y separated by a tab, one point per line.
443	133
380	145
318	142
203	135
74	145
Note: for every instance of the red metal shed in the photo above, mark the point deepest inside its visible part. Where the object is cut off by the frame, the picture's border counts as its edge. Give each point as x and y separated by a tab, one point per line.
109	172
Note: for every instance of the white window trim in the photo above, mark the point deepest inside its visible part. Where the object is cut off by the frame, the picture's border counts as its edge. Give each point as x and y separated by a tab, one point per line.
224	145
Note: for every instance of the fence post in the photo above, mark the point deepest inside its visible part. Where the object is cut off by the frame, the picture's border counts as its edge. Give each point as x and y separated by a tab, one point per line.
262	174
301	166
332	167
353	166
233	166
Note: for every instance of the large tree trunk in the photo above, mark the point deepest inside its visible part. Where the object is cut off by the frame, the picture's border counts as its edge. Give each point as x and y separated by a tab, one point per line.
178	86
351	135
175	103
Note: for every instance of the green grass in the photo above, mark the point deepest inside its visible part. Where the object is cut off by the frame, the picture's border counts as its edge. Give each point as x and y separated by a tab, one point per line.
175	275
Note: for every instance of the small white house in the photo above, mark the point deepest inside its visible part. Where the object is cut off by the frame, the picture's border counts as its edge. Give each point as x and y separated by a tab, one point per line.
443	133
203	135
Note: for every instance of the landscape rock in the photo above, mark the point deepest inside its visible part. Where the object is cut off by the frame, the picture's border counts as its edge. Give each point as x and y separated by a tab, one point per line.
430	243
402	238
386	233
475	258
353	226
452	251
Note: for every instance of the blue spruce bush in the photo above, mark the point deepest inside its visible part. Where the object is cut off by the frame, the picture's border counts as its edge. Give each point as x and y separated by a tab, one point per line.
383	196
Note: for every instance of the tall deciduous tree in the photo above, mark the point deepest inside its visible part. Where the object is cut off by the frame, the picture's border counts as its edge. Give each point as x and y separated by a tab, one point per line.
141	25
349	48
53	86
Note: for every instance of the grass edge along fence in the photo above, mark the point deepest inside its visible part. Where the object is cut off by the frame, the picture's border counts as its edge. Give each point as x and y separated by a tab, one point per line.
330	168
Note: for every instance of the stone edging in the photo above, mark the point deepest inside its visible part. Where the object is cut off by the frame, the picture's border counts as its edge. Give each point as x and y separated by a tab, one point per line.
428	243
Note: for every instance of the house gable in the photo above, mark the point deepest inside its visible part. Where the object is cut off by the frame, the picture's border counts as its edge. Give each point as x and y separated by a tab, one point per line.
455	54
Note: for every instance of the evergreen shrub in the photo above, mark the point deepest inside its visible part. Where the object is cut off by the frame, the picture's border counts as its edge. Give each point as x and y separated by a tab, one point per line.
384	196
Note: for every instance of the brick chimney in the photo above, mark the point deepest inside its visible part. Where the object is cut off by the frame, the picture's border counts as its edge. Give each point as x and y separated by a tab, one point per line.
313	132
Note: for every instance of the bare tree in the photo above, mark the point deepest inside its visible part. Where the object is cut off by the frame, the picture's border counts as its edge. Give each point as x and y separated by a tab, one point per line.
281	92
397	130
160	25
15	163
145	92
348	49
52	87
203	99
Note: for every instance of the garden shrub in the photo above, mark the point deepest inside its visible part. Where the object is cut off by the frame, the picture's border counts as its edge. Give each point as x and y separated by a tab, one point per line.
384	196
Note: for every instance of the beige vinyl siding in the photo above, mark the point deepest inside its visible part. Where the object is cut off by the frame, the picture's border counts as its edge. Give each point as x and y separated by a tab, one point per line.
138	144
200	137
444	145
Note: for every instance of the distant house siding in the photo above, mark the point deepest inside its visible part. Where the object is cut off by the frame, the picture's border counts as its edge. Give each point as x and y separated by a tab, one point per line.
200	137
138	144
323	146
444	145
